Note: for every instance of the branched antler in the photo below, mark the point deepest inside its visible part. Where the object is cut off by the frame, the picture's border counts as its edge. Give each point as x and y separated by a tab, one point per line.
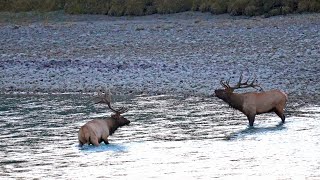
104	97
240	84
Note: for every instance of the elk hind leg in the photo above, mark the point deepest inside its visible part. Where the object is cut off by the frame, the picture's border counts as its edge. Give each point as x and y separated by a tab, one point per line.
279	111
94	140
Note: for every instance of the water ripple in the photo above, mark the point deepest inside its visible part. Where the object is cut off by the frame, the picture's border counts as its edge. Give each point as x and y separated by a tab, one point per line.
194	137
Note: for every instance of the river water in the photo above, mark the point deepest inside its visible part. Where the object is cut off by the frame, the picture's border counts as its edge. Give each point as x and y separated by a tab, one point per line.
169	137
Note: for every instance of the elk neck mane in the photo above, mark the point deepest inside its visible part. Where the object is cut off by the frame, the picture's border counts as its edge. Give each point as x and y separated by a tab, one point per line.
113	125
235	101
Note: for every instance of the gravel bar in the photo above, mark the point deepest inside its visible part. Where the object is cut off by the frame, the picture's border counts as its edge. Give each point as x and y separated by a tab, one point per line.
185	53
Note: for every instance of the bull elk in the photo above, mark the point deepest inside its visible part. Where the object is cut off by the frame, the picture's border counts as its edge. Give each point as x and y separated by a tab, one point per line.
98	130
253	103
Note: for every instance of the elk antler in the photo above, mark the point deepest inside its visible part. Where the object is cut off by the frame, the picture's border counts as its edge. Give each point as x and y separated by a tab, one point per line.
226	84
104	97
242	84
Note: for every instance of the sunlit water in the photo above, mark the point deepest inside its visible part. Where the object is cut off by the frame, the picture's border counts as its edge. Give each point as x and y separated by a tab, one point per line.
195	138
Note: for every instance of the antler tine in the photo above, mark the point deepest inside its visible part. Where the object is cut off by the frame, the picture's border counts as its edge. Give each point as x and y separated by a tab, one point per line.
246	84
221	82
123	110
228	82
255	85
225	84
240	79
98	98
247	81
254	79
252	82
104	96
238	85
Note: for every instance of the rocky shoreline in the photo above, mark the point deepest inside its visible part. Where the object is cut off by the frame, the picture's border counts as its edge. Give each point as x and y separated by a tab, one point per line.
185	53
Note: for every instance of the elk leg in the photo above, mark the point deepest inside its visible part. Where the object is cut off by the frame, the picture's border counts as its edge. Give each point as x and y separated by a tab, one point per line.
80	144
280	114
105	139
251	119
94	141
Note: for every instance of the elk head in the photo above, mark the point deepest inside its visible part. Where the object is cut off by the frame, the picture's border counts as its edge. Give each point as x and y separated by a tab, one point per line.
104	97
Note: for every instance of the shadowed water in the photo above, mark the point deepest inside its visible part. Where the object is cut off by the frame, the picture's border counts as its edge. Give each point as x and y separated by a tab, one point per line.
168	137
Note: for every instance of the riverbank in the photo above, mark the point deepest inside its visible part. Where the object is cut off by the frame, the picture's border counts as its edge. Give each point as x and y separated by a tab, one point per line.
185	53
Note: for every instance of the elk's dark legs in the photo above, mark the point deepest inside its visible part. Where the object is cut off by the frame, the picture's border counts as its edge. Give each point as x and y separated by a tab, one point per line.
106	141
251	119
283	118
281	115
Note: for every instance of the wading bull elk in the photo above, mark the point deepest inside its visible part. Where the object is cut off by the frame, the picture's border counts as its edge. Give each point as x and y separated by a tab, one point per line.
98	130
253	103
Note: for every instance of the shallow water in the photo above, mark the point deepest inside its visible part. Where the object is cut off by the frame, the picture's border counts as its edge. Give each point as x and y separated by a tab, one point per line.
197	138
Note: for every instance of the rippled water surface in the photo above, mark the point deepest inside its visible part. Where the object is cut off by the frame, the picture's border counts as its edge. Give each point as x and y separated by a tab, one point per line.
197	138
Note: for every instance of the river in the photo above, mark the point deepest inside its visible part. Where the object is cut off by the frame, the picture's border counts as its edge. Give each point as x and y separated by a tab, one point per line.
168	137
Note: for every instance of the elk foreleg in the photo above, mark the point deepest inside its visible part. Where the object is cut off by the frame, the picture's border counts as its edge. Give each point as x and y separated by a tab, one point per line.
106	141
80	144
251	119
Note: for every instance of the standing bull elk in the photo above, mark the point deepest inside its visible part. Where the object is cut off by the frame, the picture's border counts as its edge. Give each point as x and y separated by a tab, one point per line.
253	103
98	130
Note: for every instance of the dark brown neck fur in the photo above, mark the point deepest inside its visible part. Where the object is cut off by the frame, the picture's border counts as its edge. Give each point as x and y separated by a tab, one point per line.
113	126
235	101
